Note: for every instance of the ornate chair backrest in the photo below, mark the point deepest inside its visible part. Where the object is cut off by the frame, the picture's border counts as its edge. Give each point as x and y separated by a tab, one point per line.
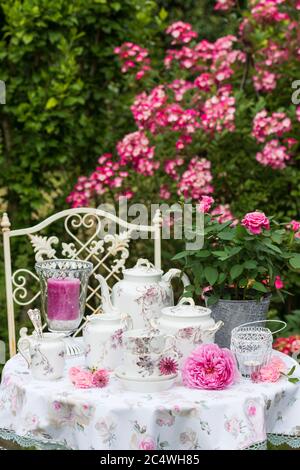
81	240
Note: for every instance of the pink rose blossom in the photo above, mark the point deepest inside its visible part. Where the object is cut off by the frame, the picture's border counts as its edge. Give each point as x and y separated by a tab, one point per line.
223	214
195	181
273	155
205	204
80	378
278	283
224	5
293	225
209	367
264	125
182	33
133	57
255	222
264	80
270	372
147	443
164	192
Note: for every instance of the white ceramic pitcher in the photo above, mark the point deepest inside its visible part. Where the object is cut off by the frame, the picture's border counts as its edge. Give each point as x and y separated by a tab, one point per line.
45	356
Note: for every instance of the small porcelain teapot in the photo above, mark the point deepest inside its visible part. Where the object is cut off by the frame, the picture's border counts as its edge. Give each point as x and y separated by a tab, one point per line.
190	324
143	292
45	355
103	333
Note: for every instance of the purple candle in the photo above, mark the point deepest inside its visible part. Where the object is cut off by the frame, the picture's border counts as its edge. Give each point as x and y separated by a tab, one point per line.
63	299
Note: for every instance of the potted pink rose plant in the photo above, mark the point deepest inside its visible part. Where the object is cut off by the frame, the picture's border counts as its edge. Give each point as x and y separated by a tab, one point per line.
240	266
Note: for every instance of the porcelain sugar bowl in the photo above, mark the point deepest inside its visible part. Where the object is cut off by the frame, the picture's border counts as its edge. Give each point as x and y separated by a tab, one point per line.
191	325
143	292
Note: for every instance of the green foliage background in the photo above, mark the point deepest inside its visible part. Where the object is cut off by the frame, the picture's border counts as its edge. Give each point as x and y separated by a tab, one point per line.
66	103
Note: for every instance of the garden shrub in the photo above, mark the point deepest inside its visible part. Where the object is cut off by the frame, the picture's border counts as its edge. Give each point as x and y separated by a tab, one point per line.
213	119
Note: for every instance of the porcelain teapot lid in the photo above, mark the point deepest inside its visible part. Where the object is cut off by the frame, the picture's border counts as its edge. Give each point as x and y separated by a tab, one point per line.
186	308
143	268
103	317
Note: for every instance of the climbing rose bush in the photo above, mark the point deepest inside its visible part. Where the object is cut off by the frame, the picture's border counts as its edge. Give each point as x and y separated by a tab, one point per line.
199	106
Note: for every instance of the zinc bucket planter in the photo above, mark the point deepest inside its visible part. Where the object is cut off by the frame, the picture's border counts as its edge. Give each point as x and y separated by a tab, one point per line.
236	312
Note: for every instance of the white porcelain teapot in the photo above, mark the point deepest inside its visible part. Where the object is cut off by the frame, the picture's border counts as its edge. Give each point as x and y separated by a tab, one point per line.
191	325
143	292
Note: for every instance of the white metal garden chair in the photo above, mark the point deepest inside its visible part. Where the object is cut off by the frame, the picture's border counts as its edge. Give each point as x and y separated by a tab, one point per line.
81	240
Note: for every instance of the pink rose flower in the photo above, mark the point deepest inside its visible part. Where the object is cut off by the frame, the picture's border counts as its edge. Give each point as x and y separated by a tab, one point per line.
279	364
293	225
147	443
209	367
270	372
255	222
80	378
205	204
278	282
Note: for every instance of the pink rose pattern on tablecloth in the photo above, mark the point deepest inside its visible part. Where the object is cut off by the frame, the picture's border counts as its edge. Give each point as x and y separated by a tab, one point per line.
111	418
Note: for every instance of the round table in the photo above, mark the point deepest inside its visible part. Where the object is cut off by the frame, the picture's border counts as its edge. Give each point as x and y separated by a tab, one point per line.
56	415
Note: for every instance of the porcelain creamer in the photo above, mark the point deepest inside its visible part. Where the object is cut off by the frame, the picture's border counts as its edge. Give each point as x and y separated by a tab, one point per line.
45	356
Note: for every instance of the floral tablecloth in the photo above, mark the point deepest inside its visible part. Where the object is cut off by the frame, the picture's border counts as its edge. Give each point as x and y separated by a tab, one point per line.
56	415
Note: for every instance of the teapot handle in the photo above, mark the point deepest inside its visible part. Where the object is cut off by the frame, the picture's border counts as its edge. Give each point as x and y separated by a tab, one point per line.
174	272
24	349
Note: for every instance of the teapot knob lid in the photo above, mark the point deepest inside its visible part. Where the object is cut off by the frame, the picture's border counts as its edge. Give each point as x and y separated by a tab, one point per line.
144	262
186	300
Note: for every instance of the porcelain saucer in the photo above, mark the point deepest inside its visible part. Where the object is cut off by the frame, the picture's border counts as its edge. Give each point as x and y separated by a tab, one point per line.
121	372
145	385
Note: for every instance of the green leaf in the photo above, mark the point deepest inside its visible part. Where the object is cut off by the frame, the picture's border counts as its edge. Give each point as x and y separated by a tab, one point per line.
220	254
222	278
211	274
163	14
180	255
234	251
290	372
243	282
295	261
51	103
203	254
236	271
250	264
212	299
293	380
259	286
271	246
227	235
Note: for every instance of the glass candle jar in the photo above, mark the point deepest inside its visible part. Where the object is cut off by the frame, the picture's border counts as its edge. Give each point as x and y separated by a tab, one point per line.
64	285
252	346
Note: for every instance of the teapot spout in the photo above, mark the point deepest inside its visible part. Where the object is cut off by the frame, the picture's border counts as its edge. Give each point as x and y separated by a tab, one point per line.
107	306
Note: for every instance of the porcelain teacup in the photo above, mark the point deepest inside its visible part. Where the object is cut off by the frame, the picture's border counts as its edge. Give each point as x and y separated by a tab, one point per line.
147	341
